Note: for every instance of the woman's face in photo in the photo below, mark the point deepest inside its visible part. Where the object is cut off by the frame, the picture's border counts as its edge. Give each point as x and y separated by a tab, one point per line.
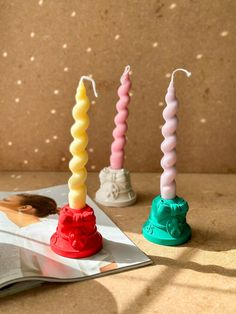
11	202
31	204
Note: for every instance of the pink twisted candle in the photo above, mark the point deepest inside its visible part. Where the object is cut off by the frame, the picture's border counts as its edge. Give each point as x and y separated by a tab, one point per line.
117	147
167	182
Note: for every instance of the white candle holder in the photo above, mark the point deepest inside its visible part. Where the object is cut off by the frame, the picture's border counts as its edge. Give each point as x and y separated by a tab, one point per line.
115	188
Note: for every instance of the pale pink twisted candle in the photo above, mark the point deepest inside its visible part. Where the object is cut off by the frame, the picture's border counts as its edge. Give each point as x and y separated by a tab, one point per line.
167	182
117	147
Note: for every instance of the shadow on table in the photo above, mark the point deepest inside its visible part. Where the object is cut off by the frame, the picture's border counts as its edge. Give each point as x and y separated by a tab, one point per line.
159	281
145	199
186	264
208	240
83	297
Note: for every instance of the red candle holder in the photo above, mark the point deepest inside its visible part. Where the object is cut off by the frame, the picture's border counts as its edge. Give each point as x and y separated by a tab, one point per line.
76	235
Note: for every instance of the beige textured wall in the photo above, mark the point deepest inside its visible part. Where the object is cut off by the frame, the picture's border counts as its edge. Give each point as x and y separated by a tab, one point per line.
47	45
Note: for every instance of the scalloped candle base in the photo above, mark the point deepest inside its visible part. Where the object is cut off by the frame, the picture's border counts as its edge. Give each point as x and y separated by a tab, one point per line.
76	235
167	224
115	189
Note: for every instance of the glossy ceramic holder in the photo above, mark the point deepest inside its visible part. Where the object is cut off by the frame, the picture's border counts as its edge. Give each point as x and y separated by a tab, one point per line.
115	188
167	224
76	235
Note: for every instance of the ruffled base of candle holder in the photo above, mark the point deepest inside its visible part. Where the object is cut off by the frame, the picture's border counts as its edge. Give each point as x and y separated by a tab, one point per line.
76	235
115	189
167	224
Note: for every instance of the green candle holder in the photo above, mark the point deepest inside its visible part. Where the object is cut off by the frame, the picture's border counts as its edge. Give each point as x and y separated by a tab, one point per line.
167	224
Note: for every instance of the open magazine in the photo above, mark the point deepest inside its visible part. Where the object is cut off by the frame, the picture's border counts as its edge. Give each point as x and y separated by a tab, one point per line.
26	259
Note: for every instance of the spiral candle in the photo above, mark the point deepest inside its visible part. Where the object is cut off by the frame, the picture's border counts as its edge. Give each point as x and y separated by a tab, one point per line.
117	147
167	182
76	183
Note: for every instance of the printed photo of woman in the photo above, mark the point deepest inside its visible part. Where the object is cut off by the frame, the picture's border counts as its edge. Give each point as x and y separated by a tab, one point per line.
25	209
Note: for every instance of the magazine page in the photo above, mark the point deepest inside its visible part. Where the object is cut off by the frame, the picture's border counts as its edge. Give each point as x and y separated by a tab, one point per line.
25	252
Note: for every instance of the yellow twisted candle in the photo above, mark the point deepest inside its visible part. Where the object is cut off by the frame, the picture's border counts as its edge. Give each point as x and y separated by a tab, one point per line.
76	183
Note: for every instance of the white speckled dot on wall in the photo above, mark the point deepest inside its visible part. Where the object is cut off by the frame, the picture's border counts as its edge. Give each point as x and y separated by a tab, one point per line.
224	33
41	63
199	56
172	6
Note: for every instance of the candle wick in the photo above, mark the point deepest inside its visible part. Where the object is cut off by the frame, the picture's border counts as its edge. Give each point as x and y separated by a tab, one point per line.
173	73
91	80
126	71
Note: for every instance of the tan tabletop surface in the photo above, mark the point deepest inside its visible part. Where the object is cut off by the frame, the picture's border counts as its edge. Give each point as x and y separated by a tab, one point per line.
197	277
